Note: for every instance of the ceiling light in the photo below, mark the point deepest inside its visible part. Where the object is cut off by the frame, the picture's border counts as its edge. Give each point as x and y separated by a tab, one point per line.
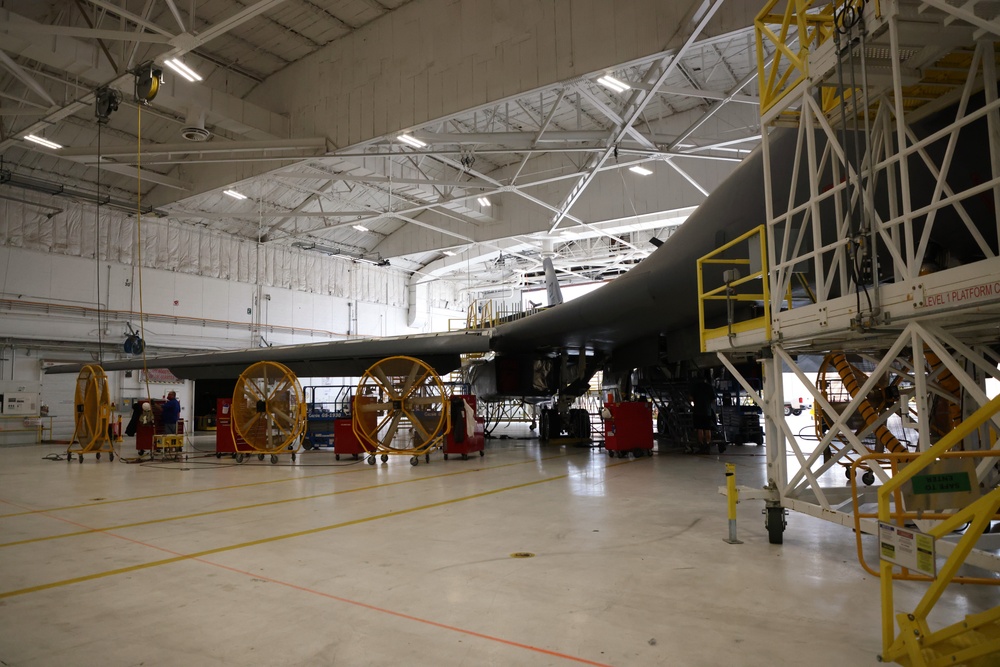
407	139
42	142
234	194
613	83
361	228
183	70
449	253
484	202
642	171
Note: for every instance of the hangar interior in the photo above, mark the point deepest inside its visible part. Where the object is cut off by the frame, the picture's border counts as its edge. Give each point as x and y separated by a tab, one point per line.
225	175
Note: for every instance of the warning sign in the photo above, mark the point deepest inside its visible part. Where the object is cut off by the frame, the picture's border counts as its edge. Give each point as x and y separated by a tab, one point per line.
907	548
947	483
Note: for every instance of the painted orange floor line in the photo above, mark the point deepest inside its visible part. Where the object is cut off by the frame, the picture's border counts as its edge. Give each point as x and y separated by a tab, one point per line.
199	557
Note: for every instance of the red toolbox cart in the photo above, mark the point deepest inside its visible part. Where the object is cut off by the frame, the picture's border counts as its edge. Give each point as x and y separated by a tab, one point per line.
345	441
467	433
227	440
144	433
628	427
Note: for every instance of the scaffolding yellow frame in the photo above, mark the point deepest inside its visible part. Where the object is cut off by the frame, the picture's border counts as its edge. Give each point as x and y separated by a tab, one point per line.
722	292
814	24
978	635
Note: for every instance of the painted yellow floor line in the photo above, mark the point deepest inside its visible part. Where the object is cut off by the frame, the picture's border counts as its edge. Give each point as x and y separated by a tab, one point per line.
177	493
253	506
225	488
264	540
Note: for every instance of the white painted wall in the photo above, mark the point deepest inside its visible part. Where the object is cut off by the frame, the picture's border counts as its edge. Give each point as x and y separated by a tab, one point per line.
59	303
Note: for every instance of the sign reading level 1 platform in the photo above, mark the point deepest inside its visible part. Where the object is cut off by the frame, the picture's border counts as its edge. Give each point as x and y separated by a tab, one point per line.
907	548
948	483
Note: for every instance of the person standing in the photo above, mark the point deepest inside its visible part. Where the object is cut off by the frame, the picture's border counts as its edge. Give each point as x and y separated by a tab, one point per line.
703	414
171	413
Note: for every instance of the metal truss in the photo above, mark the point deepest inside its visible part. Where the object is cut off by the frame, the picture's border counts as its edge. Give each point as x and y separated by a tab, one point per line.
880	249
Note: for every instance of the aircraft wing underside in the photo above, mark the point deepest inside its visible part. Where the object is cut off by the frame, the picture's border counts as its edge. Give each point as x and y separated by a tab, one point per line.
344	358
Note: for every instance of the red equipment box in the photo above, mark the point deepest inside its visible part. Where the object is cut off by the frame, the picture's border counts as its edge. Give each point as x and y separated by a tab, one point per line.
629	429
460	440
345	441
227	440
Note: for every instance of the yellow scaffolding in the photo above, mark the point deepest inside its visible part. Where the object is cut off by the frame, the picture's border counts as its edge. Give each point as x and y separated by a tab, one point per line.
730	291
976	639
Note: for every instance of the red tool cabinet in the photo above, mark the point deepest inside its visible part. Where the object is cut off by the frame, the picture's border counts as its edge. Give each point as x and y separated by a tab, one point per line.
227	440
629	429
459	440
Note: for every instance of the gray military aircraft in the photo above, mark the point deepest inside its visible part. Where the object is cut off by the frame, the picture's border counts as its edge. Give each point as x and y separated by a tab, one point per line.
647	318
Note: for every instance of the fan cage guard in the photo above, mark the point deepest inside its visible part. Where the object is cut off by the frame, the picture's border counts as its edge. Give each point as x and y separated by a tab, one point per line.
401	407
91	411
269	409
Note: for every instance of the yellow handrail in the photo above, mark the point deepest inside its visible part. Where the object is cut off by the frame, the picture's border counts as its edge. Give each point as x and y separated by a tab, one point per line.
915	637
726	291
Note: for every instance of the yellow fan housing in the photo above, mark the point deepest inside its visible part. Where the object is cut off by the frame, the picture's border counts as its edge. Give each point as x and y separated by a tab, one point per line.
269	409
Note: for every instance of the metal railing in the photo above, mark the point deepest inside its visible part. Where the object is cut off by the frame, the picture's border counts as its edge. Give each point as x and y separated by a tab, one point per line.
978	635
747	253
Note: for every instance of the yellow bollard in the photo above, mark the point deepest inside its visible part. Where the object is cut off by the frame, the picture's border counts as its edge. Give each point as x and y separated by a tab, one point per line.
118	435
732	496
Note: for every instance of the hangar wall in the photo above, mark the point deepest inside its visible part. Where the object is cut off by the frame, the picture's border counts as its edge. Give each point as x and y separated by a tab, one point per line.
199	289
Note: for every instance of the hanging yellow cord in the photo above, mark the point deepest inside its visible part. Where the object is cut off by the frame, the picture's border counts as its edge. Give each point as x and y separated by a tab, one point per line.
138	217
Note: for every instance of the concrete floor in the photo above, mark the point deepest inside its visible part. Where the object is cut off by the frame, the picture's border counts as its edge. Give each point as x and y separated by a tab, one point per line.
320	562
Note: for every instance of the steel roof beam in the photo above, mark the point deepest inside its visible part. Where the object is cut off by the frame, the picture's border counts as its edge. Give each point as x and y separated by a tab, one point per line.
639	102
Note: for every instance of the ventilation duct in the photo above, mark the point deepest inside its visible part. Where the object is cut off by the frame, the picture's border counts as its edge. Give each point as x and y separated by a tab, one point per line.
194	125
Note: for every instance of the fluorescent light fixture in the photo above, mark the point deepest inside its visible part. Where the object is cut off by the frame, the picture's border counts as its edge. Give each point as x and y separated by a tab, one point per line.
642	171
407	139
42	142
234	194
183	70
613	83
449	253
484	202
361	228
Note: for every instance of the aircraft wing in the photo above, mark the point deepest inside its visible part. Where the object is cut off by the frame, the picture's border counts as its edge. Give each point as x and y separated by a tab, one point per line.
344	358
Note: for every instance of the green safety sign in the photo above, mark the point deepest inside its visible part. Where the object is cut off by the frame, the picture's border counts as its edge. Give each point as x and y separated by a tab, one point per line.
951	482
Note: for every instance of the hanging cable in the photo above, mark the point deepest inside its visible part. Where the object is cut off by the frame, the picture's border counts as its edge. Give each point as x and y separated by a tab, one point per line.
97	254
138	244
845	21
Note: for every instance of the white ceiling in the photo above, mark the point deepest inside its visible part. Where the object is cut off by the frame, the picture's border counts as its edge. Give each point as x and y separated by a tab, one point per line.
551	159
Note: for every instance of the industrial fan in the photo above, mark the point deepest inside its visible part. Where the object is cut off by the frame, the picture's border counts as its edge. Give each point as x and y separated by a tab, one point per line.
401	407
269	410
839	380
91	414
